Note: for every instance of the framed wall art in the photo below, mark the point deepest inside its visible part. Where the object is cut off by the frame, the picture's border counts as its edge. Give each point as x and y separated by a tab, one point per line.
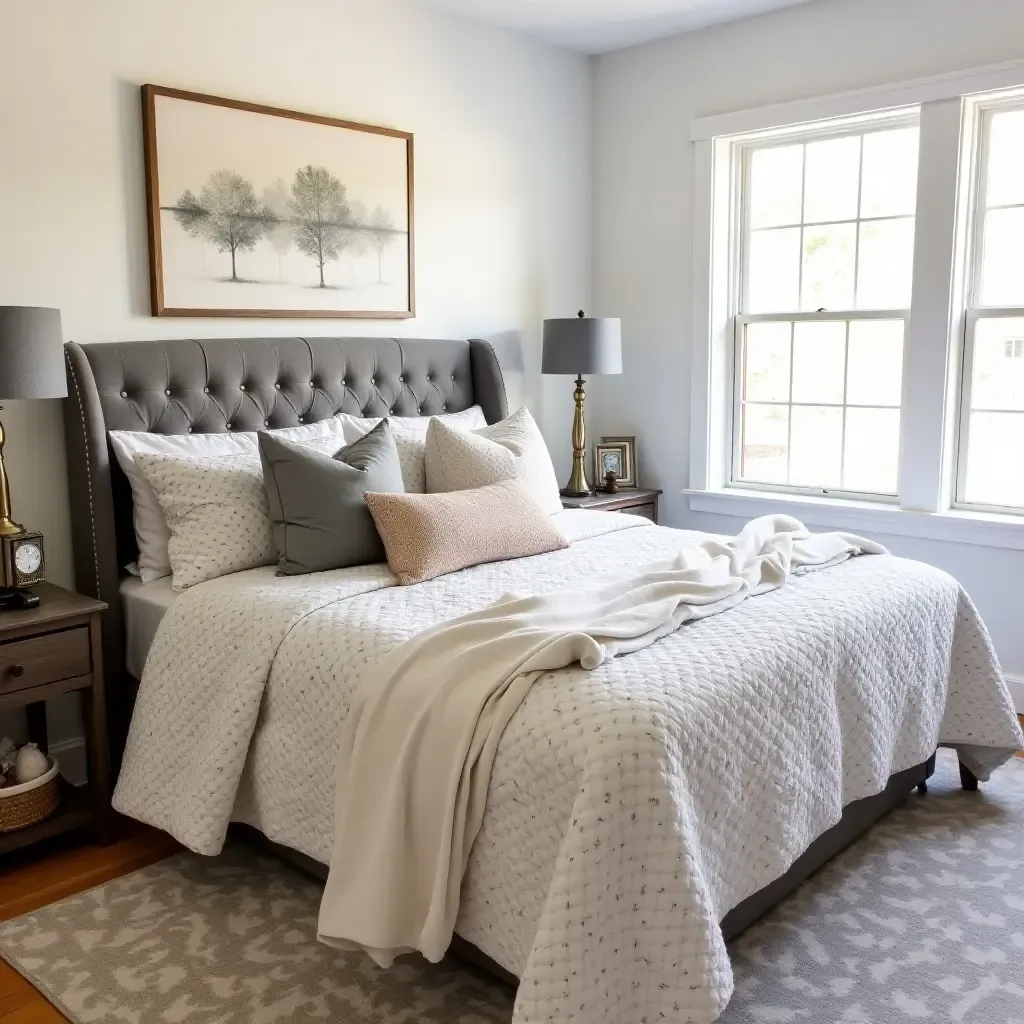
258	211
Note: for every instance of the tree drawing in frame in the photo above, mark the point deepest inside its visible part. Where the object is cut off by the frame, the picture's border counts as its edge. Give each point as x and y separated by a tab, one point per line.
226	214
320	215
279	234
255	211
382	234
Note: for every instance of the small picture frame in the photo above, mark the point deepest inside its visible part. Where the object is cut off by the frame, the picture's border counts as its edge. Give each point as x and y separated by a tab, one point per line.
609	458
627	445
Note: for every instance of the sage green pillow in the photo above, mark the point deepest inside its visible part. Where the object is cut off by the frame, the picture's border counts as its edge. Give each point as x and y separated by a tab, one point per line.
319	517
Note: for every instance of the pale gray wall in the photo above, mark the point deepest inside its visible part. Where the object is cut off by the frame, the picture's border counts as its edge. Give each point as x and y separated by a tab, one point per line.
502	154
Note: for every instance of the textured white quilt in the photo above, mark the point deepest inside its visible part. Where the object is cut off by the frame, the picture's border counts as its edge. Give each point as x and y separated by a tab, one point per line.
629	807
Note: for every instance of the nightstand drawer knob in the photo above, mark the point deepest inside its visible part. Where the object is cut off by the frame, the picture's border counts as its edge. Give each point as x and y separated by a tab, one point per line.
16	671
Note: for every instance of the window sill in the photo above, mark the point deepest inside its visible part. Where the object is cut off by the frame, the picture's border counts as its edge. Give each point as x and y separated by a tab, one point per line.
954	526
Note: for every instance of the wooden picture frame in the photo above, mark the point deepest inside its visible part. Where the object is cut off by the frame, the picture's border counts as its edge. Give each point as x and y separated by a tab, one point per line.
188	139
628	444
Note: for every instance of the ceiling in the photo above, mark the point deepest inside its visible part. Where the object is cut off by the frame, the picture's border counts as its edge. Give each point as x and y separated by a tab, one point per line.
595	26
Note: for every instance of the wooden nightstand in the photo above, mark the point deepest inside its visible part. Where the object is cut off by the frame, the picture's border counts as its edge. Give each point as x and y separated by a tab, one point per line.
634	503
44	652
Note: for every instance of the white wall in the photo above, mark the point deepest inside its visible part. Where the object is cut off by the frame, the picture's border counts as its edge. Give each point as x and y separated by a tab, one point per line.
502	156
644	99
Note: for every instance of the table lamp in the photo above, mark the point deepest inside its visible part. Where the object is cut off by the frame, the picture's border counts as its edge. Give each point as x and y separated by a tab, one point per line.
31	366
579	345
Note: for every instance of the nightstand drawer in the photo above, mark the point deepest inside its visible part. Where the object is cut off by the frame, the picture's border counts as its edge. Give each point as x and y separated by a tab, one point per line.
44	659
647	511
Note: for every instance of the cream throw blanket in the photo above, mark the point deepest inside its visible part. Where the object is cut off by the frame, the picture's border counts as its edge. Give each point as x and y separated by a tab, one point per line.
417	747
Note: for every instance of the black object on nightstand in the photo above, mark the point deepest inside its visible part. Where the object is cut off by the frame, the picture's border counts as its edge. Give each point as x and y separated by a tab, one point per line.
44	652
634	503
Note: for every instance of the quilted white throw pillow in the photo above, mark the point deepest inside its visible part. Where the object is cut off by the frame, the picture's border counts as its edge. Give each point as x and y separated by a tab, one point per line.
217	512
151	532
512	449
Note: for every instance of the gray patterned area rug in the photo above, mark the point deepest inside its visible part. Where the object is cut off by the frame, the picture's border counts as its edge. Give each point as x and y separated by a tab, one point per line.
921	920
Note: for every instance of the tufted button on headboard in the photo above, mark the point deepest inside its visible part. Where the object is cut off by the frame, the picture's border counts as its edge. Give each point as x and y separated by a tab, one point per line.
191	386
209	386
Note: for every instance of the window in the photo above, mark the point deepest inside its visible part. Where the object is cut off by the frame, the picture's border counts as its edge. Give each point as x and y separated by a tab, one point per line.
991	457
858	308
826	263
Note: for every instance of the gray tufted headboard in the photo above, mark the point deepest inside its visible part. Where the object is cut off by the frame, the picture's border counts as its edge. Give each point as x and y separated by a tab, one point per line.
188	386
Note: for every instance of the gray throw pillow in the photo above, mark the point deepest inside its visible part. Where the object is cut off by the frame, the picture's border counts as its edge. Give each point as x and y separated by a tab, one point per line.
320	520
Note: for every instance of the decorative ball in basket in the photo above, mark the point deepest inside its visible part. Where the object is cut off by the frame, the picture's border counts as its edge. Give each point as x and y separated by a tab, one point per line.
29	782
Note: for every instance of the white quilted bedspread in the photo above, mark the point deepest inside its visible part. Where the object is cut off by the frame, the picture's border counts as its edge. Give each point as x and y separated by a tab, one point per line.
630	807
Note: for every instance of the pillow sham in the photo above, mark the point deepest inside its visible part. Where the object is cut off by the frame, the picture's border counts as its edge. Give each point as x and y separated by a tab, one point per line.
512	449
216	511
317	512
428	535
410	434
151	531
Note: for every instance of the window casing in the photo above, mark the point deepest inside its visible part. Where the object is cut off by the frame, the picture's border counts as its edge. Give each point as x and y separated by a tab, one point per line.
990	457
823	250
942	344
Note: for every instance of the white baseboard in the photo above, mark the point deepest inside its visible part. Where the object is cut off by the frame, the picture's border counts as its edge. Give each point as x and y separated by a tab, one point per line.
71	755
1016	685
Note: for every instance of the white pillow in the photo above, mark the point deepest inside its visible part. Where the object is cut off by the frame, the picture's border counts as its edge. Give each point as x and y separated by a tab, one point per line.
216	510
512	449
410	434
151	532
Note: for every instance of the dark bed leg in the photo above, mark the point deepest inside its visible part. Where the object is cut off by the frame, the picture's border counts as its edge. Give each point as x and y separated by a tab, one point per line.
929	771
968	780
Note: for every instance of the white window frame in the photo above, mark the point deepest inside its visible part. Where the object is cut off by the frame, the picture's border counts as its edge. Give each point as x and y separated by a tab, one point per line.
934	340
839	316
742	151
975	311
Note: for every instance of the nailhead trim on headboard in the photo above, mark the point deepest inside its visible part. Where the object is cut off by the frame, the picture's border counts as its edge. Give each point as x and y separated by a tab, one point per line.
88	471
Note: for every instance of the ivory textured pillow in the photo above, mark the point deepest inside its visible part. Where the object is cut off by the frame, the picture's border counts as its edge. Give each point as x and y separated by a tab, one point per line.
428	535
217	512
151	532
512	449
410	434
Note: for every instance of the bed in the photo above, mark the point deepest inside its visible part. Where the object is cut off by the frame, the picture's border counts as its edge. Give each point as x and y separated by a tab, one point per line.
754	771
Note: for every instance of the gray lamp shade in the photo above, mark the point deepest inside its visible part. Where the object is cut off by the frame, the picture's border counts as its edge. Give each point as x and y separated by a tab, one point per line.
31	353
582	344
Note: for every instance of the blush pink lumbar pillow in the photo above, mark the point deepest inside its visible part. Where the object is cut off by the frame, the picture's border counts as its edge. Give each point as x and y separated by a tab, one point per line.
428	535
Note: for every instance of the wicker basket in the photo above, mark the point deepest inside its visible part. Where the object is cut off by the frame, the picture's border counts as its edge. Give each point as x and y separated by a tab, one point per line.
31	802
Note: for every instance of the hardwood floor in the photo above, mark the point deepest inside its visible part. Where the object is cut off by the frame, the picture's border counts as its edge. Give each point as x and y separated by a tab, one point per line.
49	872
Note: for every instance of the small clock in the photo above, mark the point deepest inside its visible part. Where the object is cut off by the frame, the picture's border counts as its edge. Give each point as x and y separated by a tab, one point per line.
22	563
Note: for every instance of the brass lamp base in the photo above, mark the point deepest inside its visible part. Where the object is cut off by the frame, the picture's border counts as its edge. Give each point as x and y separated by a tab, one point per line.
8	527
578	486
